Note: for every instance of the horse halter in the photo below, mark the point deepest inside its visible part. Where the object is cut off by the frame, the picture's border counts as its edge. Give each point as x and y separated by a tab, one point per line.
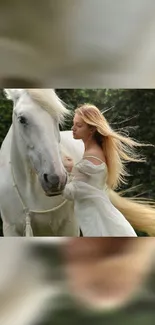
28	212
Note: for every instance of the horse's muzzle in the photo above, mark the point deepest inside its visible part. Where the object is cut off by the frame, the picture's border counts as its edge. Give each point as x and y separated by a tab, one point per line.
52	184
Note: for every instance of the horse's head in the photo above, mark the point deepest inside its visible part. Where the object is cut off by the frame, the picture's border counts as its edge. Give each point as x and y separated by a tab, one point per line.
37	114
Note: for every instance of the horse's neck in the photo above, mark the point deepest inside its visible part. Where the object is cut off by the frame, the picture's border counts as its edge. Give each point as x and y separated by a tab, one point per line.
70	147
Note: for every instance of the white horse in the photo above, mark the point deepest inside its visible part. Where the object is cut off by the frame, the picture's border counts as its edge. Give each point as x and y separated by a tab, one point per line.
32	175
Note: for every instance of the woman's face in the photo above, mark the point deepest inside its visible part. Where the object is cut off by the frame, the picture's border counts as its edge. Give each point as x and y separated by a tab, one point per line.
81	130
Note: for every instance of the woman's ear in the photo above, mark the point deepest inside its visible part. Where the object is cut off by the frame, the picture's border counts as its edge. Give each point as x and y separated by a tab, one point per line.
93	129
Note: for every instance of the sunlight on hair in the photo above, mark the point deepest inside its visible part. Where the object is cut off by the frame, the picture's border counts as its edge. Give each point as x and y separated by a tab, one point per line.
118	149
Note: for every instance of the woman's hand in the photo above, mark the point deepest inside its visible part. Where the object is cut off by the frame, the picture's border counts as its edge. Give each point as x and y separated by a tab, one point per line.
68	163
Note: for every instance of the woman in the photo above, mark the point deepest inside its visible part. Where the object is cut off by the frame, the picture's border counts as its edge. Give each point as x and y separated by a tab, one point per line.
99	210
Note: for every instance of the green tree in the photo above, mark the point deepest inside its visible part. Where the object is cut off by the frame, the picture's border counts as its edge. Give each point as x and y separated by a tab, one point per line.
5	115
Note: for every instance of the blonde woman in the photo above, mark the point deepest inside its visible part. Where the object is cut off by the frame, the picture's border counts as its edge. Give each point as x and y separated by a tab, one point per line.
101	211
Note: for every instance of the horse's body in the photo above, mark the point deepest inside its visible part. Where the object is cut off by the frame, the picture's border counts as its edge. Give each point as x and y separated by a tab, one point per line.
15	182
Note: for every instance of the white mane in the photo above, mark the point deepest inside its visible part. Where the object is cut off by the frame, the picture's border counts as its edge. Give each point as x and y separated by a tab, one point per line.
46	98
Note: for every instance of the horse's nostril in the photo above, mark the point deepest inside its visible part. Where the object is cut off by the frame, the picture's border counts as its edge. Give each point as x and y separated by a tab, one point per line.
46	178
52	179
55	180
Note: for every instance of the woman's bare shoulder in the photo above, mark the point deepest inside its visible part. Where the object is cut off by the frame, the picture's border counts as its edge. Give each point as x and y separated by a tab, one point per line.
95	155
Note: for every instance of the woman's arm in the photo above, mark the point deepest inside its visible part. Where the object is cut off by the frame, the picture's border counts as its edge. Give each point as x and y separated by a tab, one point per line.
68	192
68	163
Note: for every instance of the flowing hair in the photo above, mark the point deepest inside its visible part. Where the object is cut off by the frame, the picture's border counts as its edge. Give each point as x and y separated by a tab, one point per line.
119	150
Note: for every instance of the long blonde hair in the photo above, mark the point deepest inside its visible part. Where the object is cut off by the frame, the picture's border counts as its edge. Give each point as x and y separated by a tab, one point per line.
117	148
118	151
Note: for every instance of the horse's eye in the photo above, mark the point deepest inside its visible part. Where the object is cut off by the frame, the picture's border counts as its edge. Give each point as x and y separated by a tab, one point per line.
23	120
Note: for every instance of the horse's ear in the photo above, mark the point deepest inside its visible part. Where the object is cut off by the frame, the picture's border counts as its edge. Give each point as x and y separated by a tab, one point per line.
8	93
12	94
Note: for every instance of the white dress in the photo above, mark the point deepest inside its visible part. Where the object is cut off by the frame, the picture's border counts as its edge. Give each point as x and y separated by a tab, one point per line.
96	215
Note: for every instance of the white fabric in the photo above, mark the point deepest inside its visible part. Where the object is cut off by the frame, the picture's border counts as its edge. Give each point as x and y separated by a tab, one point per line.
94	211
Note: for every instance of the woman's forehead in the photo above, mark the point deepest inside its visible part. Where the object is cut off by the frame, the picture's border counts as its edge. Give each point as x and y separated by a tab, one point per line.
78	118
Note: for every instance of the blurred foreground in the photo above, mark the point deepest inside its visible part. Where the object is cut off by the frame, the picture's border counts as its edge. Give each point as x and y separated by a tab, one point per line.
77	281
85	43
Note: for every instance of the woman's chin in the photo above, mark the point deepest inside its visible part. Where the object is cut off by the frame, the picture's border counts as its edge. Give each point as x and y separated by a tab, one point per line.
76	137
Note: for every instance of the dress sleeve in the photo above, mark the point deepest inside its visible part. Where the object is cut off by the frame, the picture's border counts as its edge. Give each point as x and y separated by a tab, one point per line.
70	191
77	175
80	179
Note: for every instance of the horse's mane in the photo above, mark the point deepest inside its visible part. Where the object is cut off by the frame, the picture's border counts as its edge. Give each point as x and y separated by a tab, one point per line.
46	98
